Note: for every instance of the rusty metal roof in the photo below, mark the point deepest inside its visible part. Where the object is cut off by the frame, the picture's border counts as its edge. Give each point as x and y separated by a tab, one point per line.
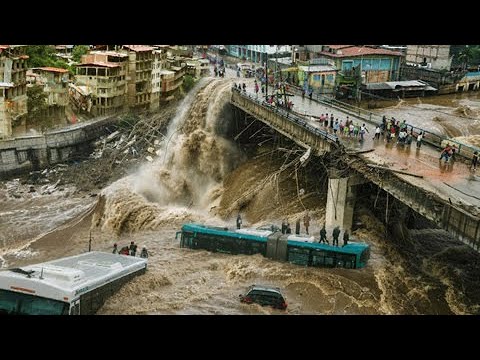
109	53
139	47
99	63
52	69
354	51
338	46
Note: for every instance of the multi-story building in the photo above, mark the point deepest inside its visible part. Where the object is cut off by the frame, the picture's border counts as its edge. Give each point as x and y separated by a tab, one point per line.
54	82
103	76
306	52
13	90
362	64
197	67
436	57
259	53
139	76
159	63
172	77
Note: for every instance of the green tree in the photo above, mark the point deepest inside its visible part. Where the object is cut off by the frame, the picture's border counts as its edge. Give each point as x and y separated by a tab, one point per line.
36	105
188	82
78	51
43	55
465	56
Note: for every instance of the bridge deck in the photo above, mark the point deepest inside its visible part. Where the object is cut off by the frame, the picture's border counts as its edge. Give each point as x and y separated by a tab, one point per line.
453	182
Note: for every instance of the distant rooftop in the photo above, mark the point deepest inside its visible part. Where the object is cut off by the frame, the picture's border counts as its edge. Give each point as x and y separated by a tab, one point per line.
139	47
51	69
353	51
100	63
109	53
317	68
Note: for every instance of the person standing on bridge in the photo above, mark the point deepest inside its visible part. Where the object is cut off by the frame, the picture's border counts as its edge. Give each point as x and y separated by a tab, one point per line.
363	129
446	153
336	126
474	161
331	121
297	227
419	140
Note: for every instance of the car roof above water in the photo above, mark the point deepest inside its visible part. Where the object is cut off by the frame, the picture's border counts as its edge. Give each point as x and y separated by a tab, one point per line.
265	288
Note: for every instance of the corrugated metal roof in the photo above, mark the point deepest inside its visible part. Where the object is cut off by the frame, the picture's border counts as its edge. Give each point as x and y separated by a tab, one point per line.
109	53
317	68
52	69
6	84
100	63
338	46
399	85
354	51
139	47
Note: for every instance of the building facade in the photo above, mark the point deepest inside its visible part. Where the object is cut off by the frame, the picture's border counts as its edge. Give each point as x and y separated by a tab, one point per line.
436	57
139	76
259	53
13	90
55	84
102	75
363	64
159	63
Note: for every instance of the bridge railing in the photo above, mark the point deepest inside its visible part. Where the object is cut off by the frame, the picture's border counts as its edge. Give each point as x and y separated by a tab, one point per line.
289	116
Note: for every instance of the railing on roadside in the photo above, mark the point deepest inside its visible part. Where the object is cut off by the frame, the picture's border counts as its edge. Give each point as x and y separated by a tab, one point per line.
290	116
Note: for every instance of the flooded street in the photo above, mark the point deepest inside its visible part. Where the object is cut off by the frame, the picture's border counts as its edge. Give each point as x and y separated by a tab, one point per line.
202	175
453	115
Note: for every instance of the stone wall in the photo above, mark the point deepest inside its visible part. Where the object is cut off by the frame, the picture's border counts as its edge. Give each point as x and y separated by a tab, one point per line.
22	154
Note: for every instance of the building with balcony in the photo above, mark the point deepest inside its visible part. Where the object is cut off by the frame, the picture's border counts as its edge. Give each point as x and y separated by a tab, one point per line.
139	76
102	76
172	77
55	84
197	67
13	90
159	63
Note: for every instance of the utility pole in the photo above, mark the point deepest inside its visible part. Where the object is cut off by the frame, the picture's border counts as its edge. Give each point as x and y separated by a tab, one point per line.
266	77
90	242
281	80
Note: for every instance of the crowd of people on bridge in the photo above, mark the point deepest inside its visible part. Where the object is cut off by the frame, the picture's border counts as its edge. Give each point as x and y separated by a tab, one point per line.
391	130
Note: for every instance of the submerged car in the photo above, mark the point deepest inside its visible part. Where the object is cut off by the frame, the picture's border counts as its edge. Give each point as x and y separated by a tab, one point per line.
265	296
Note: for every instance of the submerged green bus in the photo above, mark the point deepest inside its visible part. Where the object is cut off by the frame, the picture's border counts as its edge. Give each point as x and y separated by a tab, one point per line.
274	245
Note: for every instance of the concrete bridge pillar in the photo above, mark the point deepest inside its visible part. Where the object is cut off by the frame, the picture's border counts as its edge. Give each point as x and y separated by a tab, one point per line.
341	201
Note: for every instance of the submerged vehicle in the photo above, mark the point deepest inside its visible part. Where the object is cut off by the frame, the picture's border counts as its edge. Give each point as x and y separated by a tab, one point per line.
265	296
74	285
296	249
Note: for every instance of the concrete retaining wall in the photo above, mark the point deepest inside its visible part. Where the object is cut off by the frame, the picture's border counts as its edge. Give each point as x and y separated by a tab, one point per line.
28	153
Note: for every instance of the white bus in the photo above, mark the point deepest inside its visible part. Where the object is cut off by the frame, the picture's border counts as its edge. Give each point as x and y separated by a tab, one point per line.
73	285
